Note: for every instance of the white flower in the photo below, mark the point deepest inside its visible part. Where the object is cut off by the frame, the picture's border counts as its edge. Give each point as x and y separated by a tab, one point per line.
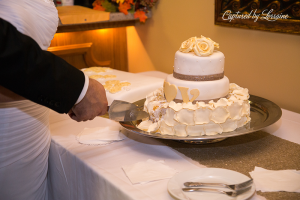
188	45
203	47
216	45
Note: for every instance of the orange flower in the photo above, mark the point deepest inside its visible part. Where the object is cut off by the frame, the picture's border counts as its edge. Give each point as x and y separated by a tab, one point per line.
98	7
141	15
130	1
97	2
124	8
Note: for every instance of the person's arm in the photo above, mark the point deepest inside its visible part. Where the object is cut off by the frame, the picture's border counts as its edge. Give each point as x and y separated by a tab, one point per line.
36	74
42	77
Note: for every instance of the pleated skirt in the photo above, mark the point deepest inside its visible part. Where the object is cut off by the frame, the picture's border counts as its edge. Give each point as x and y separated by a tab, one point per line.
24	148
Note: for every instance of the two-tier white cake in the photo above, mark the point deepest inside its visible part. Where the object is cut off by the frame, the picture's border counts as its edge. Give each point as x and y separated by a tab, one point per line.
197	99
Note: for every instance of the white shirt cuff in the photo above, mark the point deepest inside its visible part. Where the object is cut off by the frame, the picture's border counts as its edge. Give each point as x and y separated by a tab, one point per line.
83	91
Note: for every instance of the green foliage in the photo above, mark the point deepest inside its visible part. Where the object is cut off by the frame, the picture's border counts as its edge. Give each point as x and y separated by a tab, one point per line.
109	7
132	9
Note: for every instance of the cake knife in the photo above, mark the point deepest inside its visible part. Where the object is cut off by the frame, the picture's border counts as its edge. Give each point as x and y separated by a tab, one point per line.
125	111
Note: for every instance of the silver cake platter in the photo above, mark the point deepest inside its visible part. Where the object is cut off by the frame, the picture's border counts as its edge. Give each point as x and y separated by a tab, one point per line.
263	113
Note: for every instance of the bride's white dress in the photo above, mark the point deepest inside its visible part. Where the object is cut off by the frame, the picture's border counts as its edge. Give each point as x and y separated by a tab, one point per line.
24	126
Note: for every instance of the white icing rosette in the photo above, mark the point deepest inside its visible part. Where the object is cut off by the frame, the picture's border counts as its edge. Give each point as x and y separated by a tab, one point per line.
188	45
203	47
216	45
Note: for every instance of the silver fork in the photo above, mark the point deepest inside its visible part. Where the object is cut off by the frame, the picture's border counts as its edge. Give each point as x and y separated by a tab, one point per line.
233	193
230	186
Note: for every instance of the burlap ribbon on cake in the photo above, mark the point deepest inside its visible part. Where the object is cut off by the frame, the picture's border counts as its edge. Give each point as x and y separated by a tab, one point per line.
205	101
212	77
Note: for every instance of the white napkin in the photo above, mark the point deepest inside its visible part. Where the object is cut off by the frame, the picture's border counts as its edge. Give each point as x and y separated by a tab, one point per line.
276	180
100	135
147	171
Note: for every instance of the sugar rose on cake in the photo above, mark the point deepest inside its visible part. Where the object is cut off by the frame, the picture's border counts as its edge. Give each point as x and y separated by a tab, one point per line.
197	99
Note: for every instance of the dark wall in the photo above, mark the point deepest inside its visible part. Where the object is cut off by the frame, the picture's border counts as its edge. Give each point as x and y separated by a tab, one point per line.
85	3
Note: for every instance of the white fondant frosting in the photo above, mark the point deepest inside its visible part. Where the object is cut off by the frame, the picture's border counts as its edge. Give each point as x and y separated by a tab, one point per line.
246	108
153	127
169	117
202	115
190	64
144	125
187	119
175	106
235	110
219	115
212	128
208	89
229	125
185	116
195	130
180	130
242	121
165	129
190	106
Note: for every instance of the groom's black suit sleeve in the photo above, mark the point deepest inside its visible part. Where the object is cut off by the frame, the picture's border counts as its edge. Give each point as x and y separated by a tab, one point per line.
37	75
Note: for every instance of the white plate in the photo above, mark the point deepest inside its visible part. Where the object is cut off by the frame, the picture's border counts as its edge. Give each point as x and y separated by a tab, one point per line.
211	175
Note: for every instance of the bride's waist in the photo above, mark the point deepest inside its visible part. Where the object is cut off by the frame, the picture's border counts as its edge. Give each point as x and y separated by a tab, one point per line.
7	95
21	110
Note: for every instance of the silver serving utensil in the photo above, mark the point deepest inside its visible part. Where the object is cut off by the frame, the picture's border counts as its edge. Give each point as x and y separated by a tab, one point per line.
232	193
125	111
231	186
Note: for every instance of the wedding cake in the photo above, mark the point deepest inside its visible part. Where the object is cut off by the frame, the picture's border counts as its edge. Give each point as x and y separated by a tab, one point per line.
197	99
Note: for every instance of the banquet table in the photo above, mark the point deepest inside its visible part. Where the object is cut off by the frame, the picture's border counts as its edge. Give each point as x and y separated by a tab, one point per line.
89	172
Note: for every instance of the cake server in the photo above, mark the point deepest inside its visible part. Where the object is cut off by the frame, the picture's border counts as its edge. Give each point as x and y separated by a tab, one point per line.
232	193
125	111
231	186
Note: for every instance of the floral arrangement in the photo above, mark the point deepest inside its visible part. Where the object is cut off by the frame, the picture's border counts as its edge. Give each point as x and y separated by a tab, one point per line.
138	7
202	46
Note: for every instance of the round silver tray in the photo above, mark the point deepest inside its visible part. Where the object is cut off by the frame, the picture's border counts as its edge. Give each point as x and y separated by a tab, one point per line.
263	113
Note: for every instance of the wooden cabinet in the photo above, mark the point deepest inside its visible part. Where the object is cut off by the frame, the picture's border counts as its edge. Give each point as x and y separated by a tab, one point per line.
101	43
101	47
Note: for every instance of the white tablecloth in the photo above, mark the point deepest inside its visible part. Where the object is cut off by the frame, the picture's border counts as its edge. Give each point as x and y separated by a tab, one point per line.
94	172
81	172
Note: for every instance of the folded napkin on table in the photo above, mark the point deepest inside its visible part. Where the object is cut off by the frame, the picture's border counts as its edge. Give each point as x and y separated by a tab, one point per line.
147	171
276	180
100	135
